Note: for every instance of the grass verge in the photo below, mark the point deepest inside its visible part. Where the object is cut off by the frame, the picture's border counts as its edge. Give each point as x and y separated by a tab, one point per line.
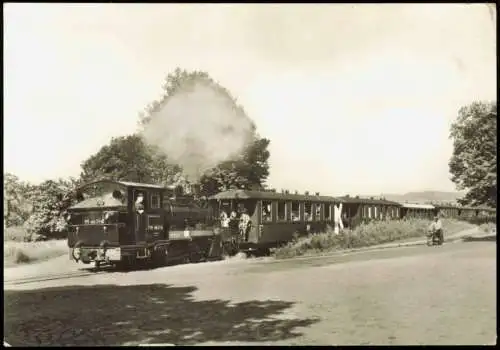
15	251
373	233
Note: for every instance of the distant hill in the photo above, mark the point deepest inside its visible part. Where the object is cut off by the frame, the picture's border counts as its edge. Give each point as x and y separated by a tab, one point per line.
425	196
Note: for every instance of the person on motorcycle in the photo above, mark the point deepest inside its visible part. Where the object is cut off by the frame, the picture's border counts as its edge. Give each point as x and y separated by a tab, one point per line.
436	230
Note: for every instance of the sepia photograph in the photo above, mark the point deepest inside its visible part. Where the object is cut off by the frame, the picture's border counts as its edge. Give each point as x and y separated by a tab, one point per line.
223	174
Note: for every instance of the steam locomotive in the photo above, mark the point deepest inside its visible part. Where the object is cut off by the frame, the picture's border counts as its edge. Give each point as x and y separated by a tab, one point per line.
124	223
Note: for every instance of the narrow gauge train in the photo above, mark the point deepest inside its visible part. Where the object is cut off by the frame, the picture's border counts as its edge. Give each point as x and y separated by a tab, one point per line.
124	223
275	218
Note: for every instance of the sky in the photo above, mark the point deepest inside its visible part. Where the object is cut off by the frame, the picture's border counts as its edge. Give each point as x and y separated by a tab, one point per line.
356	99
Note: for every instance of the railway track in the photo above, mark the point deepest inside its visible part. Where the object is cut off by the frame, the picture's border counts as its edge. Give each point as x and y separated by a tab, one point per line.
49	277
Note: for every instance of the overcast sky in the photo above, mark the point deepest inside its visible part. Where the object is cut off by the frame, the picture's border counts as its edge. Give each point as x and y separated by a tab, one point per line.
355	98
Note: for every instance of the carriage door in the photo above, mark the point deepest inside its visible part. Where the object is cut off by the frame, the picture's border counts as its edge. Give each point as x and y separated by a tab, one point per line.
140	217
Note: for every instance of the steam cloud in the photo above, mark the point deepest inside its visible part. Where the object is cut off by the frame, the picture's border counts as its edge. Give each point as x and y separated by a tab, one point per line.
199	128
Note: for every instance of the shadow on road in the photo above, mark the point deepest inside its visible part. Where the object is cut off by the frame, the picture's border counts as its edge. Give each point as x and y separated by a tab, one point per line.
131	315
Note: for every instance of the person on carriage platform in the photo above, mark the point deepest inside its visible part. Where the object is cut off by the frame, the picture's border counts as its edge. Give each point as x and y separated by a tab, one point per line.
224	219
244	223
233	222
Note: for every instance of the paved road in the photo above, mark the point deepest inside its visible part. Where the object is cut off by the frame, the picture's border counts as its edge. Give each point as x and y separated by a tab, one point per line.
62	267
408	295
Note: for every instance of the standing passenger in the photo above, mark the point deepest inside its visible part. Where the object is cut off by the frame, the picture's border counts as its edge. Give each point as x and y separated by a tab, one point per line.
244	224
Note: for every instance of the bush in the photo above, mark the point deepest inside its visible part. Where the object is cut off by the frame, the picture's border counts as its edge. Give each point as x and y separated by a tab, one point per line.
368	234
29	252
488	227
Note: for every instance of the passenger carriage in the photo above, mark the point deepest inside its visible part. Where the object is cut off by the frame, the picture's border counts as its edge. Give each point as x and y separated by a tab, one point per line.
478	214
118	222
417	211
447	210
274	217
356	210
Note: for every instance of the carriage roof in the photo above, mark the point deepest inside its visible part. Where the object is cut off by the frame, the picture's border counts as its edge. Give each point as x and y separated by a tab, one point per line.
418	206
106	200
358	200
245	194
126	184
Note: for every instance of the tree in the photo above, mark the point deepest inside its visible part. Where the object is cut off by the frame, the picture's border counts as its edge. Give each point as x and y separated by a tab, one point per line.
17	206
473	164
246	173
50	200
250	169
128	158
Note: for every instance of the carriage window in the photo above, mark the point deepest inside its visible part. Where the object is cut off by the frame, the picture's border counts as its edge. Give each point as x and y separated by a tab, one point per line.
295	211
375	212
327	208
282	211
267	211
308	211
155	201
369	212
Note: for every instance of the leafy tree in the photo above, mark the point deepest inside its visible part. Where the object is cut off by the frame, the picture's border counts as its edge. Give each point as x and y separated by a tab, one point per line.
50	200
473	164
128	158
250	170
17	206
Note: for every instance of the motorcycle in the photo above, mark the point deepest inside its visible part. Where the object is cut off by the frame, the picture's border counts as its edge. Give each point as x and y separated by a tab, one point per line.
434	238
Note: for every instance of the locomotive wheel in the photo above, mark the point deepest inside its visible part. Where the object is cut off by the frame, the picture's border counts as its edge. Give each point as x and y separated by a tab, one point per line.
122	265
195	254
158	257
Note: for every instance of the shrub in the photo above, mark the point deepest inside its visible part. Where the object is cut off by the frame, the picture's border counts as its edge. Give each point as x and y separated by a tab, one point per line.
367	234
488	227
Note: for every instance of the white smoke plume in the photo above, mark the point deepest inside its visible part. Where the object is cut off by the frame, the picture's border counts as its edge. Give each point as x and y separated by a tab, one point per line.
199	128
